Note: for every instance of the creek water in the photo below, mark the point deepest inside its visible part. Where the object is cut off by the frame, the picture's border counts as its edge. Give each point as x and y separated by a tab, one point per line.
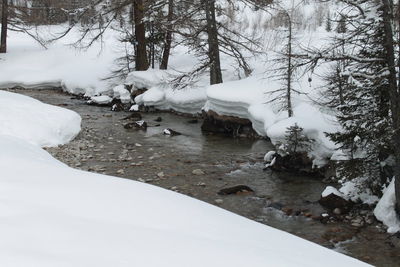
200	165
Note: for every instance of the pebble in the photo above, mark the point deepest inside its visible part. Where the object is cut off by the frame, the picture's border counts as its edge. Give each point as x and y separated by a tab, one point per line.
219	201
198	172
160	174
121	171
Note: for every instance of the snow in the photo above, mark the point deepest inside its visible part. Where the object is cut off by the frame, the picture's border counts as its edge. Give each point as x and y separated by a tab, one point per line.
385	209
36	122
134	108
100	100
331	190
121	93
352	190
269	156
53	215
29	65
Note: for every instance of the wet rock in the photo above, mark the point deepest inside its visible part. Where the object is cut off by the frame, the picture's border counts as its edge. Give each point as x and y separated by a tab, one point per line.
171	132
333	201
159	119
337	211
193	121
139	125
298	163
198	172
219	201
278	206
238	189
228	125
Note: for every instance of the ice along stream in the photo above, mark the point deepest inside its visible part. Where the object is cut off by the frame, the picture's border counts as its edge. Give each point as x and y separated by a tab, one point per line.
200	165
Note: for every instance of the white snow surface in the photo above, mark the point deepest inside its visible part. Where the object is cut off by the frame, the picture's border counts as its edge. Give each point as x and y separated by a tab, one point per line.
53	215
100	100
119	92
36	122
331	190
29	65
385	209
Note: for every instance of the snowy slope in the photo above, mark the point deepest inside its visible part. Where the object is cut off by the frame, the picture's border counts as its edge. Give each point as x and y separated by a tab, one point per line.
53	215
35	122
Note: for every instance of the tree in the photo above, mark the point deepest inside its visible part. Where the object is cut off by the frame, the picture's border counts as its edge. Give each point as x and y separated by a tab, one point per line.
4	26
213	42
371	115
168	36
140	35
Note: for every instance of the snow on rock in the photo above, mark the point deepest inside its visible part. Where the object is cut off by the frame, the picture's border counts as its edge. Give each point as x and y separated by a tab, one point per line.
53	215
36	122
134	108
100	100
269	156
122	94
331	190
385	209
356	191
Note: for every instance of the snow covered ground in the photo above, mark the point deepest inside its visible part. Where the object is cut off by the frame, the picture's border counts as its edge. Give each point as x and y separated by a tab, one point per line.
53	215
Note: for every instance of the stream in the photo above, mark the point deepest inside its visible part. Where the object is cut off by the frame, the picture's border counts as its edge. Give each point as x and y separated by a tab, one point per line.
200	165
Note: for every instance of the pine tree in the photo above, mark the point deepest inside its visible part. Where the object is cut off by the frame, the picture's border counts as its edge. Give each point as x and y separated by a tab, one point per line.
296	141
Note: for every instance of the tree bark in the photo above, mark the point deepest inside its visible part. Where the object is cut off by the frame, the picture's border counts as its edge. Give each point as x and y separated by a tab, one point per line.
4	26
393	91
289	70
140	35
213	43
168	37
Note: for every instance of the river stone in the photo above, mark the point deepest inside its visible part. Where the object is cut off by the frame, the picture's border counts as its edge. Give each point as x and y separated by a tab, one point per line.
333	201
238	189
198	172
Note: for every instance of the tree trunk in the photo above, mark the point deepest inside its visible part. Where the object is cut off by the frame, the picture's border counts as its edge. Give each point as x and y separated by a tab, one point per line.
289	71
393	91
4	26
168	37
213	43
140	34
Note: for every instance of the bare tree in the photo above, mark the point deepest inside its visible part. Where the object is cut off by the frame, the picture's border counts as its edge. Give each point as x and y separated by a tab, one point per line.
4	26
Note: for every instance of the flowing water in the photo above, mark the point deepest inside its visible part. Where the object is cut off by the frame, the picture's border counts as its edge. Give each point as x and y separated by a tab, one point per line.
200	165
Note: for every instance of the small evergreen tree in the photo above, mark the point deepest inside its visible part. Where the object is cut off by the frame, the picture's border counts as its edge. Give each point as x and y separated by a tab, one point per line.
296	141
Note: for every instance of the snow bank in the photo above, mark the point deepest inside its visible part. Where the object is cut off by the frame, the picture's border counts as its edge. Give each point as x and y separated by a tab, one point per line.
29	65
162	95
53	215
36	122
385	210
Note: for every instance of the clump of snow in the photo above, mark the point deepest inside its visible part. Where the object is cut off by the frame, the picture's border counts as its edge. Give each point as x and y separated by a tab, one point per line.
134	108
122	94
385	209
356	191
331	190
269	156
167	132
100	100
36	122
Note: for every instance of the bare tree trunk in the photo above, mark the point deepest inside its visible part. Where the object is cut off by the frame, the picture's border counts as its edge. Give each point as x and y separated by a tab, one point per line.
140	34
168	37
4	26
213	43
393	91
289	71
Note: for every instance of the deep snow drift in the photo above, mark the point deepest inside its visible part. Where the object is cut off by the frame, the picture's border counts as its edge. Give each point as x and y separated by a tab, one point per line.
35	122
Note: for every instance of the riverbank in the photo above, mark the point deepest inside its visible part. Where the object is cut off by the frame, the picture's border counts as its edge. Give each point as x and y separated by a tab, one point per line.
201	165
